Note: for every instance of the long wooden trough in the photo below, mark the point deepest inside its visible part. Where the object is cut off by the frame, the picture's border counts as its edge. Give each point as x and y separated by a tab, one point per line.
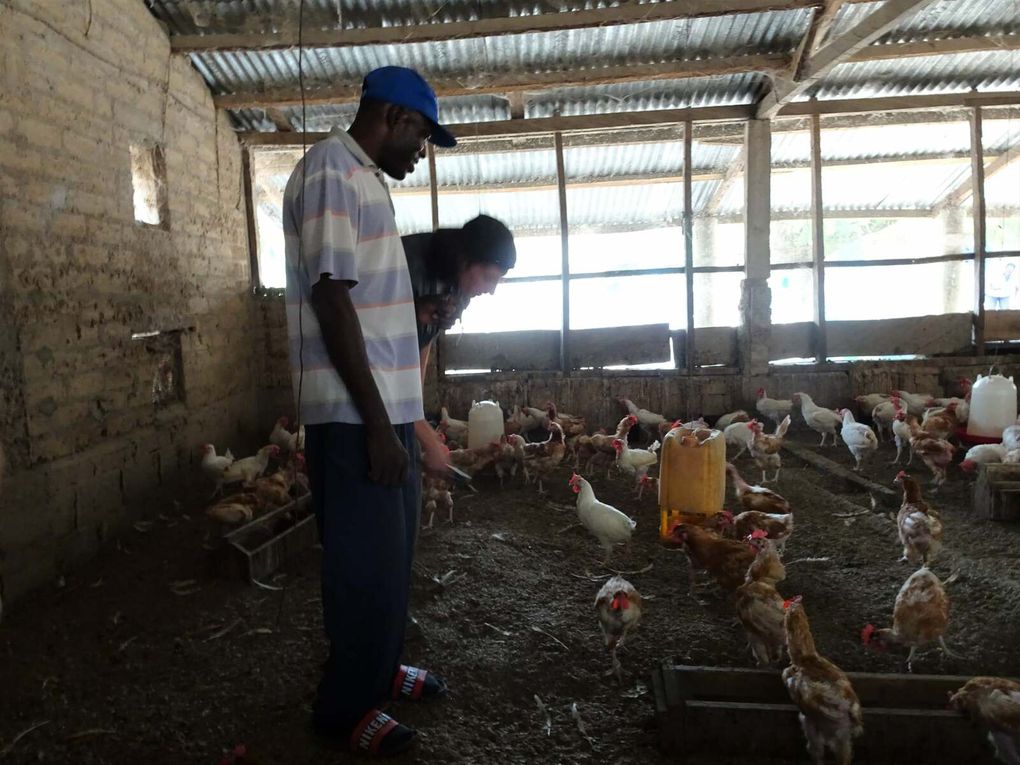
260	547
736	714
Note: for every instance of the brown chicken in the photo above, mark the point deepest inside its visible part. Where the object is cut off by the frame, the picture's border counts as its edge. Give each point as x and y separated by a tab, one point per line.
920	617
436	495
572	426
273	491
830	713
767	565
619	607
756	497
471	461
765	449
919	526
545	456
727	560
598	447
936	453
993	703
942	423
760	610
778	528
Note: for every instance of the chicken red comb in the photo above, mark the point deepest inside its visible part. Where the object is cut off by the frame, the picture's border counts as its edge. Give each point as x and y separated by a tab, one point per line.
620	602
759	534
574	477
677	423
617	443
727	515
901	475
631	418
791	601
867	632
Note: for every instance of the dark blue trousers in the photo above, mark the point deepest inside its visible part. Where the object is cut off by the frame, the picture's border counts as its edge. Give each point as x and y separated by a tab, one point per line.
368	535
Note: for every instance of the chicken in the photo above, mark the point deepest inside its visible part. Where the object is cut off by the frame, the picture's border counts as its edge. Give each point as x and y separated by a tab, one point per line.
756	497
765	449
248	469
830	713
456	430
739	434
607	524
920	617
727	560
936	453
767	565
234	510
760	611
473	461
859	438
920	527
287	441
619	605
883	416
915	402
523	420
543	457
941	423
774	409
728	419
650	484
982	454
1012	457
993	703
214	467
901	434
635	462
436	494
512	457
572	425
821	420
1011	437
602	443
273	491
649	421
867	402
777	527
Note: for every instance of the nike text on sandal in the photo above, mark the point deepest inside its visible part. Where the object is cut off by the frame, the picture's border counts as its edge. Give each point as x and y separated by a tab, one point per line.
414	683
381	735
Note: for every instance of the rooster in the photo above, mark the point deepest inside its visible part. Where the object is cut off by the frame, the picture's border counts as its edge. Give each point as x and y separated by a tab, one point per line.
619	605
608	525
830	713
543	457
760	611
728	419
213	466
859	438
920	527
993	703
982	454
773	408
248	469
920	617
765	449
821	420
727	560
288	442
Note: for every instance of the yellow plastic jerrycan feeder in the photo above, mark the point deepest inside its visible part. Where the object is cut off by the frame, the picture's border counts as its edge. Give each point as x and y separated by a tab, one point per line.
692	477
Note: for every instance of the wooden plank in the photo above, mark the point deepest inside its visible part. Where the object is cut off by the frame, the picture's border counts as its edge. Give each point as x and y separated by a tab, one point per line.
533	350
625	13
816	460
688	225
612	346
714	346
819	344
561	190
995	494
1002	325
516	83
940	101
977	171
923	335
791	341
249	216
968	44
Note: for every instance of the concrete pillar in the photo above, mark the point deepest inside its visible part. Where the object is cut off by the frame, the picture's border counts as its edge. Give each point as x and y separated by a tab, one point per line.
705	311
956	238
755	295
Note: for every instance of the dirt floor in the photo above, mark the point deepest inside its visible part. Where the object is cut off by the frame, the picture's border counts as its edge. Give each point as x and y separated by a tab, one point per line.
129	661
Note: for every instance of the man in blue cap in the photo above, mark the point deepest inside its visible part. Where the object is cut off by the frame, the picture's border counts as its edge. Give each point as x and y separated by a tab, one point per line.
355	364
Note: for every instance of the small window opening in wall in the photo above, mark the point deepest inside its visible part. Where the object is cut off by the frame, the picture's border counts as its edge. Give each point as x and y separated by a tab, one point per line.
163	350
148	182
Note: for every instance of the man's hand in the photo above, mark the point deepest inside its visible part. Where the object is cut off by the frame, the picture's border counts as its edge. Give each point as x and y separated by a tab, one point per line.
435	456
387	457
448	310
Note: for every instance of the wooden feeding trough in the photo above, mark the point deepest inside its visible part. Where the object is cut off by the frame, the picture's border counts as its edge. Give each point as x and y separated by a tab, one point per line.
258	548
733	714
997	492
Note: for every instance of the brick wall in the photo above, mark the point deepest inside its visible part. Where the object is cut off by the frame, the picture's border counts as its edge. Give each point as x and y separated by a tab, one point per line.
88	449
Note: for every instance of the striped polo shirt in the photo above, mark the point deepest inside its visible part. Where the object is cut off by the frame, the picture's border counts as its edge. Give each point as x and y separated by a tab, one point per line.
349	233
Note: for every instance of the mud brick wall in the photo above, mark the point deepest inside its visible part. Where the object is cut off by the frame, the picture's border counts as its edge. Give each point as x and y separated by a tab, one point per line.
88	449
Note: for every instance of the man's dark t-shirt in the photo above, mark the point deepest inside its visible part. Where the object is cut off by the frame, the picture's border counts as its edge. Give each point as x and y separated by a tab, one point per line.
426	283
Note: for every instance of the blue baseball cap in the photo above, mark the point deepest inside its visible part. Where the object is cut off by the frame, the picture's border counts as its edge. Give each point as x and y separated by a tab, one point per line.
405	87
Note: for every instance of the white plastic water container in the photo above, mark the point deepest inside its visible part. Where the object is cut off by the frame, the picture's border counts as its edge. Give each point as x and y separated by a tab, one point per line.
992	406
485	423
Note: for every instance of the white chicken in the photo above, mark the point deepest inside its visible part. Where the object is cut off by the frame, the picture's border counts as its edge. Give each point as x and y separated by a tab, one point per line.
818	418
213	466
525	419
916	403
619	607
731	417
607	524
739	434
1011	437
635	462
650	421
287	441
773	408
868	401
982	454
859	438
884	414
901	434
248	469
455	430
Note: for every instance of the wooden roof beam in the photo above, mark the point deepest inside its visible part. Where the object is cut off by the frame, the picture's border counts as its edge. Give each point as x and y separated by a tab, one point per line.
835	52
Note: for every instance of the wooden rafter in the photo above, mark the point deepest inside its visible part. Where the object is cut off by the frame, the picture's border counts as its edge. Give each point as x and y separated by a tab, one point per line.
835	52
509	83
818	29
625	13
734	171
958	194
